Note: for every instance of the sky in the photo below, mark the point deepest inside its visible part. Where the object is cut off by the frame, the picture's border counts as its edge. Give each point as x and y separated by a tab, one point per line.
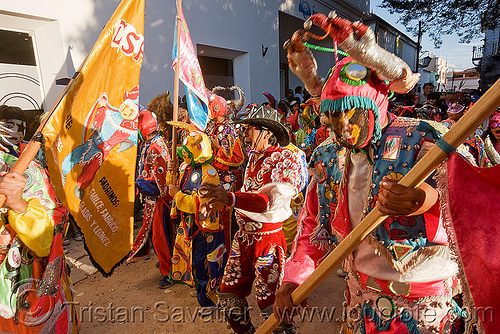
458	54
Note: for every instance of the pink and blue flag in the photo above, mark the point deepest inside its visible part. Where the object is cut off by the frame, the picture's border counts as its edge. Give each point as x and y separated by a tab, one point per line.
190	74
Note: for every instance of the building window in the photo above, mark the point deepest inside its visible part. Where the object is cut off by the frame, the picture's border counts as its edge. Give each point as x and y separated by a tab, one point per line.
217	72
16	48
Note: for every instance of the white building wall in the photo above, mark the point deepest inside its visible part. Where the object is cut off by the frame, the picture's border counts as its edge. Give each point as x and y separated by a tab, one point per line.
49	55
241	26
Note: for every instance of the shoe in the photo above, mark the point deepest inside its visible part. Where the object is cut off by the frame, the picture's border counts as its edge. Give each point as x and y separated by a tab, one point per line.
77	235
157	264
165	283
66	241
341	272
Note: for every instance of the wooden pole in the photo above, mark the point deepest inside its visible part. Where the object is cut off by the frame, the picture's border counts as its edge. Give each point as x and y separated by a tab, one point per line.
481	110
31	150
175	114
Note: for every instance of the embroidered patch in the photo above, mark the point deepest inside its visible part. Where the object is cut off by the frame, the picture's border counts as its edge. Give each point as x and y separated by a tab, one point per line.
392	148
424	147
372	284
195	177
341	158
264	261
386	307
401	250
320	169
211	172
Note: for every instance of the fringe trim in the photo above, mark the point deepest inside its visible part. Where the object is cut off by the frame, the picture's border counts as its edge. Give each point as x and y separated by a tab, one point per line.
368	189
343	180
447	221
331	247
300	225
412	260
146	237
313	238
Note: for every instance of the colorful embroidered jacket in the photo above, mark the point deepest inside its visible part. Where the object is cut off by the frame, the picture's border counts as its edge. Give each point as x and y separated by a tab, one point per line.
152	184
406	242
475	144
230	154
314	239
153	160
298	200
188	202
199	254
35	288
276	175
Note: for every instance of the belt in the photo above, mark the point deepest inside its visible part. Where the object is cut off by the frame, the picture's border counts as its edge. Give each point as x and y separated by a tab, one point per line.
409	290
252	227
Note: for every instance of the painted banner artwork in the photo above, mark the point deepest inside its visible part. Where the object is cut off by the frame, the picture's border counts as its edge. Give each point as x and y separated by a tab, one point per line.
91	139
198	111
190	74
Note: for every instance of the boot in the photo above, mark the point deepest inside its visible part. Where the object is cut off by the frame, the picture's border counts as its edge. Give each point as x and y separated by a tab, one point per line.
283	328
236	311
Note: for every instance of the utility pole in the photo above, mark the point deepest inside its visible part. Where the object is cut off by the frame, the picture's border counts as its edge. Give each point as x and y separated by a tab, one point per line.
419	40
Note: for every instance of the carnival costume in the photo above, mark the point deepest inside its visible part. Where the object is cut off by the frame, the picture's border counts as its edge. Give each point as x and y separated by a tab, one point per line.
257	256
35	287
492	144
229	158
297	202
404	268
199	252
152	185
474	142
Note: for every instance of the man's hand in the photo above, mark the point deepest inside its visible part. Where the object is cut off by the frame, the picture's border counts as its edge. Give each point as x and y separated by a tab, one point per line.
215	143
173	189
283	308
219	198
397	200
12	186
172	166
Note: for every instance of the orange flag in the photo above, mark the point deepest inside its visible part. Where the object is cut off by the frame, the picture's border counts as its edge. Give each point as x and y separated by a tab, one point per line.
91	138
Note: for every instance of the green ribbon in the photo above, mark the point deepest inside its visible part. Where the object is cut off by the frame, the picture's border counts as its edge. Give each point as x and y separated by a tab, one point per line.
322	48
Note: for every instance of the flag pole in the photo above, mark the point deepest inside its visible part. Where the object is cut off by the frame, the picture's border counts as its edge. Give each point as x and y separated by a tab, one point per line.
35	143
479	112
175	114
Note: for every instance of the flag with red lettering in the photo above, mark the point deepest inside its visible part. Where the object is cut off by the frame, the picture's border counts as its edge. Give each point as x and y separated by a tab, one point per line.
91	138
190	74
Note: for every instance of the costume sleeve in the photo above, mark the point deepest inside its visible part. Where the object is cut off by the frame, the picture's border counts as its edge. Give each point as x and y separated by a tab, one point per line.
34	227
189	202
158	168
147	187
278	208
155	162
321	135
251	201
306	255
232	157
294	121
